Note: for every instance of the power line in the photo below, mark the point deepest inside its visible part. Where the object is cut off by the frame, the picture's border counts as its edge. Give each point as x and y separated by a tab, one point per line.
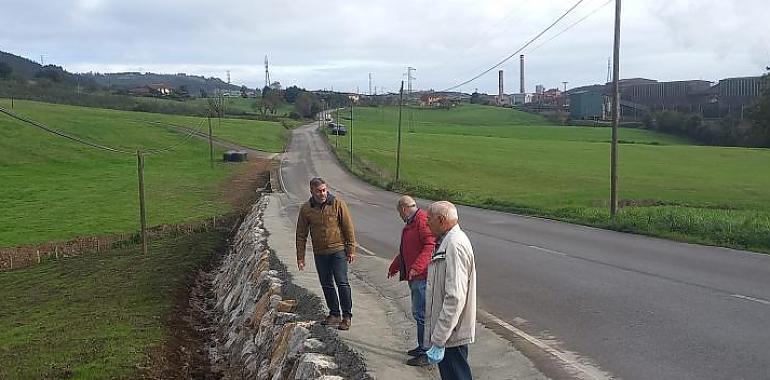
97	145
517	51
64	135
597	9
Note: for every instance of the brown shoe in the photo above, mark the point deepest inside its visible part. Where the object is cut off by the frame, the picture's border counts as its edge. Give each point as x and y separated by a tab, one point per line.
331	320
345	324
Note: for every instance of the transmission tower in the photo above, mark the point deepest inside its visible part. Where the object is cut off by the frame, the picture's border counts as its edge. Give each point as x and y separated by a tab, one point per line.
228	76
409	78
370	83
267	73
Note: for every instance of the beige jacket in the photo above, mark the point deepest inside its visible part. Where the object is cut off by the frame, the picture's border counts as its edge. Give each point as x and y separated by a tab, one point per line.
450	296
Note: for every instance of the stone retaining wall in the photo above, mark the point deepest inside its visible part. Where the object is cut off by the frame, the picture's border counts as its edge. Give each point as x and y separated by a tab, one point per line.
258	333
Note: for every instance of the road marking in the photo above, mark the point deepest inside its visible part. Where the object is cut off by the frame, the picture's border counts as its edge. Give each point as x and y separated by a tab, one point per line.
747	298
567	358
368	252
548	250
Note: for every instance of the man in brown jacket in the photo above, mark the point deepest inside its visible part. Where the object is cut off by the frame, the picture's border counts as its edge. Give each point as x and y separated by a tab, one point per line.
328	221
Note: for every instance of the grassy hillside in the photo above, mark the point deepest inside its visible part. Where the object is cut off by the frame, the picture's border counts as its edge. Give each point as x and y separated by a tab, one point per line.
55	189
504	159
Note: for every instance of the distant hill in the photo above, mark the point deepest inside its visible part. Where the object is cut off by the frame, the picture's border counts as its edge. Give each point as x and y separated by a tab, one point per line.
22	67
129	80
27	69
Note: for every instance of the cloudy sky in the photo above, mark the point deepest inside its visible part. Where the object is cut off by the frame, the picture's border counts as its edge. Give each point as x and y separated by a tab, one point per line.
336	44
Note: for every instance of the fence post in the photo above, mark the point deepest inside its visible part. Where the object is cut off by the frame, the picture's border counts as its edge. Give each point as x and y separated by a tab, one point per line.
38	256
142	210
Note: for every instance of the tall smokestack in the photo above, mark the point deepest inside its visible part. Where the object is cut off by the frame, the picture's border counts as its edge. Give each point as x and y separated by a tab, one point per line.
500	83
521	75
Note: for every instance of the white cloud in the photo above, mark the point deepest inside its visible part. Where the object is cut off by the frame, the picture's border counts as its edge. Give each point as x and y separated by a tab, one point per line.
337	43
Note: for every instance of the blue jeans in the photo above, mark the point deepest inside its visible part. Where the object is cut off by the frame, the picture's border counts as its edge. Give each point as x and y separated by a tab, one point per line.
455	366
333	269
417	288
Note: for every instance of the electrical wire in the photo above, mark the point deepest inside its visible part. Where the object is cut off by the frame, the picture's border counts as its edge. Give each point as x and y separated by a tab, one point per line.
517	51
101	146
62	134
571	25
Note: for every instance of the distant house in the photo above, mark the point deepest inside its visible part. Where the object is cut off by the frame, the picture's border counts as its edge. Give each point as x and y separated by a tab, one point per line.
548	97
433	100
159	90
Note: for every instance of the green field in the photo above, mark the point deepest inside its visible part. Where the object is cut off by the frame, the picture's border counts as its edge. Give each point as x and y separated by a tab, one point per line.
97	316
508	160
55	189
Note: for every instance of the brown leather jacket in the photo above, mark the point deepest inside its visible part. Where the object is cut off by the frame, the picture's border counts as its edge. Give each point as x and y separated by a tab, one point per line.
330	227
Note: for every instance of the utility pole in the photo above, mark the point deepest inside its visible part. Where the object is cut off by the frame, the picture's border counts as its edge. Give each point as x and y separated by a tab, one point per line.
409	78
615	115
609	70
398	149
350	133
337	120
267	73
370	83
211	143
142	209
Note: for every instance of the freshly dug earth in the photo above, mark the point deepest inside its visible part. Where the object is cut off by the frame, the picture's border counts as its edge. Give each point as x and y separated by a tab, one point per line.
185	354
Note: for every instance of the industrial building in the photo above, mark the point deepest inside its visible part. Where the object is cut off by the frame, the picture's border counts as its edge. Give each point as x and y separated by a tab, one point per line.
639	95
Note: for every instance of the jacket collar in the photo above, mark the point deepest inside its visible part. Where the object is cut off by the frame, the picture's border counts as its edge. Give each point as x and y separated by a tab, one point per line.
440	246
329	201
411	218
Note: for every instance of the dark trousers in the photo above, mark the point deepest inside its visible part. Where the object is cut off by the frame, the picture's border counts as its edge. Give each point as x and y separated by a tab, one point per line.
333	270
455	366
417	289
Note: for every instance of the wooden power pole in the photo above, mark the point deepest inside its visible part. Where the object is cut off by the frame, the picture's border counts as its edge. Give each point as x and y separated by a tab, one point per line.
615	115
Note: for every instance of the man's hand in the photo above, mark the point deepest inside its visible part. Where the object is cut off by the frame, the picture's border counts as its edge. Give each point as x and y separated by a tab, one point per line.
351	258
435	354
412	274
301	264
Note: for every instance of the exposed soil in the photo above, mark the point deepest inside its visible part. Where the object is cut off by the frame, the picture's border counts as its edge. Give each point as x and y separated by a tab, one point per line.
185	354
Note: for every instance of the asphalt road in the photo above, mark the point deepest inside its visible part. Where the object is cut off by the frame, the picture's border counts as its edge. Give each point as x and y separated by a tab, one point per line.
636	307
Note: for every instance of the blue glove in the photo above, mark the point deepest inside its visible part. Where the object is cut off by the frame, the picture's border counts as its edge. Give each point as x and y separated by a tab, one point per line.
435	354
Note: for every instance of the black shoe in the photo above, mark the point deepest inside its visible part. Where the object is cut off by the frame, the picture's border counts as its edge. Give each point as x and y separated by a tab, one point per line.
417	351
418	361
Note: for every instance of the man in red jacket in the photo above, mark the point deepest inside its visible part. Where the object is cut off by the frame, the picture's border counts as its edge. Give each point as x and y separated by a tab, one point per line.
417	243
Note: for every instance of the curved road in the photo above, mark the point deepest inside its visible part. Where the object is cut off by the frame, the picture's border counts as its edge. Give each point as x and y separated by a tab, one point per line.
637	307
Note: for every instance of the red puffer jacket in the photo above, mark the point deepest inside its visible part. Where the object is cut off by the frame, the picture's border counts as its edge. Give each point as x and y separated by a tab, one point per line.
417	244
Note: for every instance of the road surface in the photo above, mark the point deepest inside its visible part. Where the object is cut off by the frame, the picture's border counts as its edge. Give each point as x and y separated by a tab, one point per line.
634	306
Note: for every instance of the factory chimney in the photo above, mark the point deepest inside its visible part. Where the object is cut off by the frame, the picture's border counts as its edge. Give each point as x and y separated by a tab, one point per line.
500	83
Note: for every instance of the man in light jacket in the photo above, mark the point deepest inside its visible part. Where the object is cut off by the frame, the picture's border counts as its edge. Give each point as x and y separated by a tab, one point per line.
450	299
414	253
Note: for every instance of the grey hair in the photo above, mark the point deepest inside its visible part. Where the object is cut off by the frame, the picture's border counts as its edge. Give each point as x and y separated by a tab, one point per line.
443	208
407	201
317	181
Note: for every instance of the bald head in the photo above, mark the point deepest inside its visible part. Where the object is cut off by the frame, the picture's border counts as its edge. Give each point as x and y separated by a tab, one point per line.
442	216
406	207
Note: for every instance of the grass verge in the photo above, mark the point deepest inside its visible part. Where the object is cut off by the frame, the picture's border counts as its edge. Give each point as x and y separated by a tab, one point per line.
97	316
499	159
